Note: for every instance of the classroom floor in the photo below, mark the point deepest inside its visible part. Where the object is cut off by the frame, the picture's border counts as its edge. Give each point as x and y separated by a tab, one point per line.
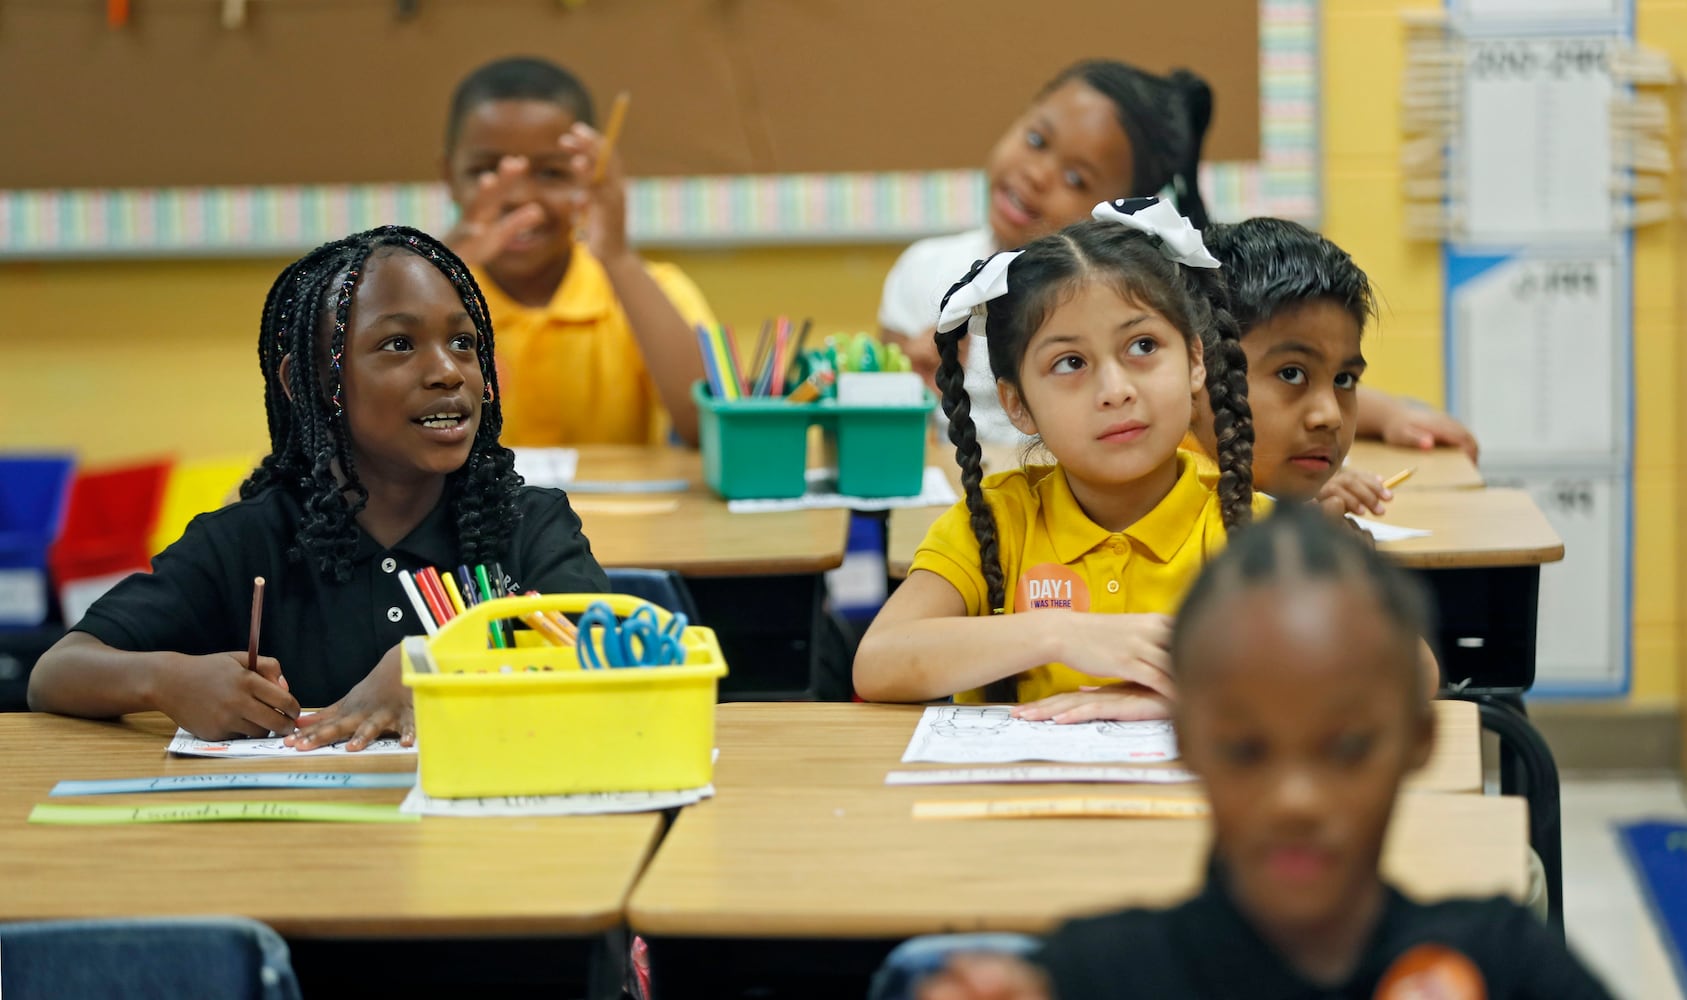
1605	912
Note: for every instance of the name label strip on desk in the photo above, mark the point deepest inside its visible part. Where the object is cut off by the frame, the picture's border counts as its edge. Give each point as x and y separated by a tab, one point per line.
220	812
1040	775
1073	806
206	782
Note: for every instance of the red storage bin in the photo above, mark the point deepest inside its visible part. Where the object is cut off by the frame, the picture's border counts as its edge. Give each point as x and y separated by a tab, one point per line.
107	532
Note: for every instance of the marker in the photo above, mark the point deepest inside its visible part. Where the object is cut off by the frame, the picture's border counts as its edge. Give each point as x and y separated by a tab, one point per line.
1398	478
257	622
486	595
451	592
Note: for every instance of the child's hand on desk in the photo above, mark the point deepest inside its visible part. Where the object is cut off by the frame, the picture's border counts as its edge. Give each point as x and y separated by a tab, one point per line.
1113	702
986	977
215	697
1421	427
601	203
1131	647
484	230
378	705
1356	491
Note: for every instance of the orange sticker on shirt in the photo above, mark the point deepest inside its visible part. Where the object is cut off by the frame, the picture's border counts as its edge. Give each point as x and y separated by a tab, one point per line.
1051	586
1432	972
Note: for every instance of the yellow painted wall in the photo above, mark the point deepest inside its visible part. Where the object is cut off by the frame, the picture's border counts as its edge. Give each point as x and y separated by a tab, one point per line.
1362	62
120	360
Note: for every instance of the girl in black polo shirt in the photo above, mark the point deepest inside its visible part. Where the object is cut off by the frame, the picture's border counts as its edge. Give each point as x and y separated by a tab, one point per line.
382	400
1299	706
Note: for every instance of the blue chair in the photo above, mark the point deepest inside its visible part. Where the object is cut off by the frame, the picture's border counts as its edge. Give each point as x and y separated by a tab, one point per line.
662	587
916	958
147	958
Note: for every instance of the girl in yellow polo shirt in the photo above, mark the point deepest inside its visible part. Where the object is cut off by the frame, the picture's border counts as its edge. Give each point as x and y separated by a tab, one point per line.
1095	336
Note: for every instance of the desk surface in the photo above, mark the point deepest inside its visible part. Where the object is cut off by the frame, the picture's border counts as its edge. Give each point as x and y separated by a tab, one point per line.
441	876
1472	529
1436	469
693	532
805	840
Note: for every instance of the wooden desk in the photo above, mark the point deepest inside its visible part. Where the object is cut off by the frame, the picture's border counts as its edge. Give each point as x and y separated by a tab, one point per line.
804	841
1473	529
1437	468
693	532
460	878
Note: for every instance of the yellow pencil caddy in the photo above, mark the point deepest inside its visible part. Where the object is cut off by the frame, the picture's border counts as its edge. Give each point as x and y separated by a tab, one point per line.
529	721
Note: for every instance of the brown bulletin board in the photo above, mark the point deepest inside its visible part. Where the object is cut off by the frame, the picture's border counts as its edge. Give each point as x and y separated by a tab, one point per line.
326	91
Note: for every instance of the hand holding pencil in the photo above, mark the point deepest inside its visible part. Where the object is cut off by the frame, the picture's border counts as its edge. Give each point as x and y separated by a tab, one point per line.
601	204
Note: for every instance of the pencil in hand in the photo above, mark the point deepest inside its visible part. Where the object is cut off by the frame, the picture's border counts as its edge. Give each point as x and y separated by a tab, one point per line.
257	622
1398	478
611	134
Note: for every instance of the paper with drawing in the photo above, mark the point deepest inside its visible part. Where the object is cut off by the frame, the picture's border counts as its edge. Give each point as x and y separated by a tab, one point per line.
988	734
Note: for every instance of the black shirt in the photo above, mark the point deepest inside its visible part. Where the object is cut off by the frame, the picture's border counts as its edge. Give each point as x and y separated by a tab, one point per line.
1205	948
326	635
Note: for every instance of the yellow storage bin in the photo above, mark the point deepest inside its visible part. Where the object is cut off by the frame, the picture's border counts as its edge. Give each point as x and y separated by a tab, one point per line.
193	489
529	721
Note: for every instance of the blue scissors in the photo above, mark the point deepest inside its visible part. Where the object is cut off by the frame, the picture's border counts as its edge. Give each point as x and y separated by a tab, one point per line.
637	641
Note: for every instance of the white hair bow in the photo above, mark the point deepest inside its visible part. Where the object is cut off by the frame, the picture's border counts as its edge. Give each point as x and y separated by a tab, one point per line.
990	281
1179	240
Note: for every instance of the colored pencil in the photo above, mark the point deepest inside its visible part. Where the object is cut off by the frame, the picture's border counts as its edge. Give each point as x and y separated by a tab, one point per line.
257	622
411	591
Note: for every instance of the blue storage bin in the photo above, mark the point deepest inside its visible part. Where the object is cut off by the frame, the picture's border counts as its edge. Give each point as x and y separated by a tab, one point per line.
34	493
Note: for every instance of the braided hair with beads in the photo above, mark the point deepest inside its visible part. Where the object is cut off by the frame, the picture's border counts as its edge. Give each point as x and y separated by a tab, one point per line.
304	320
1192	299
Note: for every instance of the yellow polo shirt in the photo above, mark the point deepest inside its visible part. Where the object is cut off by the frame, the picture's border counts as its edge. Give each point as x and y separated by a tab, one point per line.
1054	556
1205	465
571	372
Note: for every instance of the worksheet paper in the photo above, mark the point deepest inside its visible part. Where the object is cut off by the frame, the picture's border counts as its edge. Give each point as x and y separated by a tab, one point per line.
935	491
1388	532
185	744
988	734
593	803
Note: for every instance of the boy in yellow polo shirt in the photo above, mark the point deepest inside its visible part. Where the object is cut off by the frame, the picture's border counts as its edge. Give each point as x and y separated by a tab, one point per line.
594	344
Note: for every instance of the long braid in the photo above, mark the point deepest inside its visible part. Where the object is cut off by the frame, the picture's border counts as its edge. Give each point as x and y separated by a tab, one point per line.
310	441
957	406
1227	392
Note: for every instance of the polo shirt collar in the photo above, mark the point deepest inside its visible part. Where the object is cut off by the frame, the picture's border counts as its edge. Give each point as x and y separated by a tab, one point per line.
1162	531
432	542
584	296
1211	924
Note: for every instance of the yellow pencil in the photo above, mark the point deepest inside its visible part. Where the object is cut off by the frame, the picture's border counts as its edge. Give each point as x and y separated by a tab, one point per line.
1398	478
611	133
451	592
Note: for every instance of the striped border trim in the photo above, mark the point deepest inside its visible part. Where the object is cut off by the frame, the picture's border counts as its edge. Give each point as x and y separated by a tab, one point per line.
667	212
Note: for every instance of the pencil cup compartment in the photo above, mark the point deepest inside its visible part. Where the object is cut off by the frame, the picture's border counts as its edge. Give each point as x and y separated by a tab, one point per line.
752	448
528	721
758	448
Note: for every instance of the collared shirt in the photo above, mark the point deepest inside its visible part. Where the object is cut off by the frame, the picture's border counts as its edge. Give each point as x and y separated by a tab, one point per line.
571	372
1055	557
1206	949
326	635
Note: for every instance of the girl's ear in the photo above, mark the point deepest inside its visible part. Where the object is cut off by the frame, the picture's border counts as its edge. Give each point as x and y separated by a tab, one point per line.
1197	366
1014	405
282	374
